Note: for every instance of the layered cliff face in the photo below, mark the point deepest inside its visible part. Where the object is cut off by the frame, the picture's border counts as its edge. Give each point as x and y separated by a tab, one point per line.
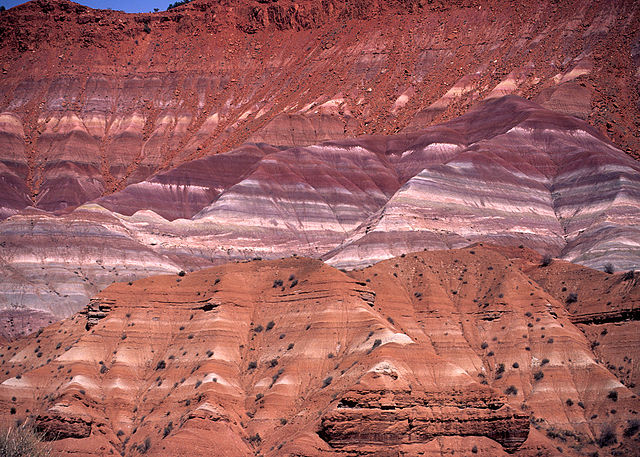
472	351
93	100
509	172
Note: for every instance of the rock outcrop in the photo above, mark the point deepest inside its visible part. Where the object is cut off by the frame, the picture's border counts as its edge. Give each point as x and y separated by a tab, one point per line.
94	100
470	350
528	176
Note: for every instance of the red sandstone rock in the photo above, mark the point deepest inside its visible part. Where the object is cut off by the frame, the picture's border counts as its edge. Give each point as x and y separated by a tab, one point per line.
425	353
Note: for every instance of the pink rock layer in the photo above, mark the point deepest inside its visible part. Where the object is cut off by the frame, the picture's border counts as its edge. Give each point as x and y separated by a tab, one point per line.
94	100
509	172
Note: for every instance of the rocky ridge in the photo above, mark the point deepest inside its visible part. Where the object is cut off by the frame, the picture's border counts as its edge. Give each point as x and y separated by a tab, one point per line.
94	100
417	355
509	172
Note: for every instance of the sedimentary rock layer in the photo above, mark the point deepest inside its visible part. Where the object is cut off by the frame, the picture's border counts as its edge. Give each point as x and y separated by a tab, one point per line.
94	100
431	352
509	172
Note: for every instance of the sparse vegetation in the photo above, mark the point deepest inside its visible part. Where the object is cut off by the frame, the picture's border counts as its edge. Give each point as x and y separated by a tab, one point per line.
546	261
326	381
538	375
572	297
167	429
613	395
255	438
632	428
511	390
607	436
252	365
23	441
609	268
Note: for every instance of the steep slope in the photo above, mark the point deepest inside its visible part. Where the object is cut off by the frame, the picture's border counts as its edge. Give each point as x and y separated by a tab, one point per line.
93	100
508	172
428	354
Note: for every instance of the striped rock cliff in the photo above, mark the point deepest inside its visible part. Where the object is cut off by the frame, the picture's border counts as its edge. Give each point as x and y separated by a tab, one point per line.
94	100
509	172
470	351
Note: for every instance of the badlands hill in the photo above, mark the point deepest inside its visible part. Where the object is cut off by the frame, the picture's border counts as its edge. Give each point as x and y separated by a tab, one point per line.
479	351
322	228
509	172
138	144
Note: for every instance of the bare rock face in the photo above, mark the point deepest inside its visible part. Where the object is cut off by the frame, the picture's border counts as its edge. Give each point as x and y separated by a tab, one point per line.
95	100
509	172
433	352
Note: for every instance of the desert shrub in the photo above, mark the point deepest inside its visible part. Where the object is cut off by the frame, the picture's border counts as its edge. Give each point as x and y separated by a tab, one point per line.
609	268
326	381
167	429
181	273
607	437
277	283
275	377
23	441
484	345
544	361
293	283
270	325
290	346
255	438
258	329
474	449
613	395
376	343
546	261
538	375
569	402
144	446
515	365
511	390
161	365
252	365
628	276
632	428
572	297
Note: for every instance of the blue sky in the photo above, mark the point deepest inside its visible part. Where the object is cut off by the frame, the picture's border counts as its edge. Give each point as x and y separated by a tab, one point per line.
130	6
